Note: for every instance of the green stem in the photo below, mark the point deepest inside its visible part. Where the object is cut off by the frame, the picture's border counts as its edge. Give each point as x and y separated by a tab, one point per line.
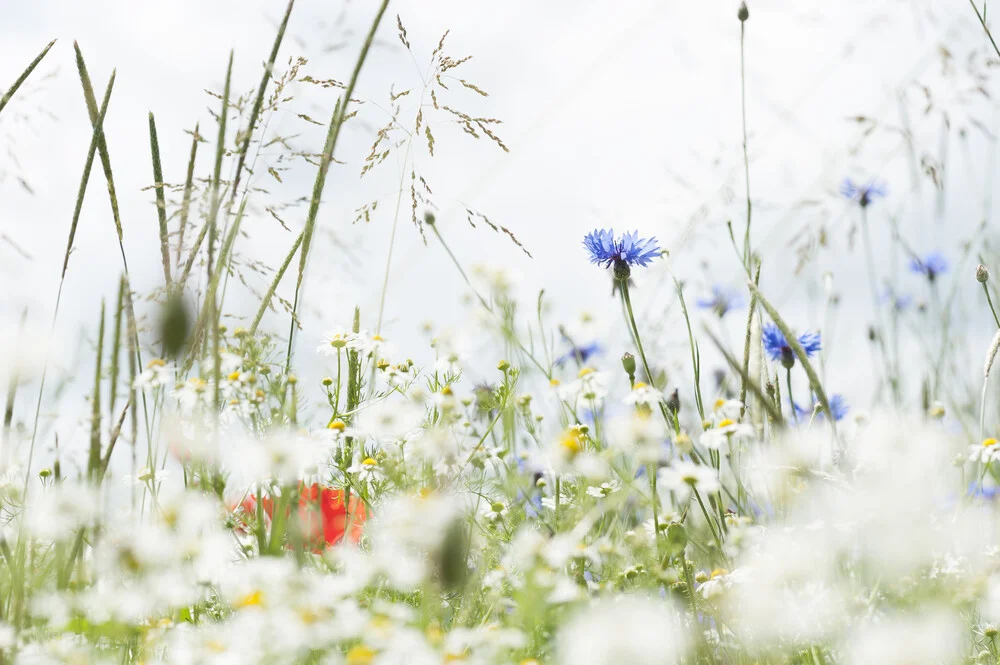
791	402
989	300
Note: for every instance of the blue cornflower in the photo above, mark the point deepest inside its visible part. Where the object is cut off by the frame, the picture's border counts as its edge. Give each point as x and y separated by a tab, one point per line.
899	301
863	194
932	265
777	346
580	353
627	250
723	299
838	406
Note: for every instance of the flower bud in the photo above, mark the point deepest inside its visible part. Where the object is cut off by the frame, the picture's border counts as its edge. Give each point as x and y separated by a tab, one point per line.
743	13
503	365
622	271
982	274
628	362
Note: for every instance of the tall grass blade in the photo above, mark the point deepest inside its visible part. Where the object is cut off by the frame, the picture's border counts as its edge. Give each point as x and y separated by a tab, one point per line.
94	460
266	300
333	132
7	96
102	147
161	204
259	102
186	197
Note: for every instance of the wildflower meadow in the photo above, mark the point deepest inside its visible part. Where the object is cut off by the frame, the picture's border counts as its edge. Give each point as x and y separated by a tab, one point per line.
741	451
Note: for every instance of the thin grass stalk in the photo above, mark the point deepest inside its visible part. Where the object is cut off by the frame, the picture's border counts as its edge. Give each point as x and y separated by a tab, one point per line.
745	369
102	146
332	134
81	192
991	355
12	384
186	197
24	76
208	311
799	352
747	257
102	149
259	101
213	215
161	204
116	342
269	294
94	460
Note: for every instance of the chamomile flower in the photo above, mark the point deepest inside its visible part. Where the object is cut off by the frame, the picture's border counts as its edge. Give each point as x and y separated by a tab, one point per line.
335	341
722	436
157	373
643	395
494	511
683	477
589	388
986	452
604	490
367	470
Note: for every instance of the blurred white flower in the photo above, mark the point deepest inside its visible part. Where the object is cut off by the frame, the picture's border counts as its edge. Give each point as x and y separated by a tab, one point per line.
683	477
623	630
644	395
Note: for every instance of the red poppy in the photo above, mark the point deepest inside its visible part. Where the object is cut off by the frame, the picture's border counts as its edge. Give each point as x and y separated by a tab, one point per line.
323	517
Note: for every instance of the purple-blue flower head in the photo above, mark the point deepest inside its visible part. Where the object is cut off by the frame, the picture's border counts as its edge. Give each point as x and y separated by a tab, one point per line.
931	266
628	249
723	300
838	406
777	346
580	353
863	194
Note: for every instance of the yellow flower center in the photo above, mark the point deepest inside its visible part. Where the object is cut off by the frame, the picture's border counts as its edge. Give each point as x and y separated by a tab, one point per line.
377	338
718	572
638	385
989	442
254	598
725	423
359	654
369	462
570	440
585	371
156	362
338	425
235	376
719	403
554	382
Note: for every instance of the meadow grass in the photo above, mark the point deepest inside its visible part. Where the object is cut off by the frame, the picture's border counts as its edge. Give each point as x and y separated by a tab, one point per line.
570	508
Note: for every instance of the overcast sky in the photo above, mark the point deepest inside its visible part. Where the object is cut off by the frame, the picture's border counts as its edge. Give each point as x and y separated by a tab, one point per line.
616	114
